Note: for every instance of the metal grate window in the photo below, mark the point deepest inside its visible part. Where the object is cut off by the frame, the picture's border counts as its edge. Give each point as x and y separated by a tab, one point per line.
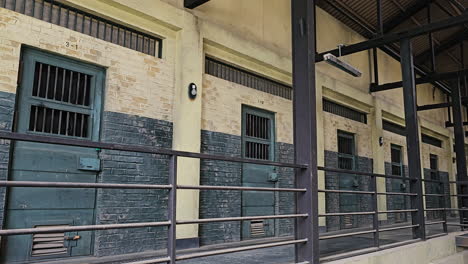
346	151
60	14
44	245
431	140
58	122
397	161
59	84
344	111
394	128
257	126
236	75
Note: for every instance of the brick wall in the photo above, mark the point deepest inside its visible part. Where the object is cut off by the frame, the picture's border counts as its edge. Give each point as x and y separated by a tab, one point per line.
131	206
7	103
215	204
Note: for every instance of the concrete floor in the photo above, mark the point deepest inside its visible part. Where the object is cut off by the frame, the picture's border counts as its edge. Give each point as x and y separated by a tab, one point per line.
285	254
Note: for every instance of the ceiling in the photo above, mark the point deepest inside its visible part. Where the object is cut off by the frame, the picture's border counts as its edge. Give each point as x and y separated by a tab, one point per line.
400	15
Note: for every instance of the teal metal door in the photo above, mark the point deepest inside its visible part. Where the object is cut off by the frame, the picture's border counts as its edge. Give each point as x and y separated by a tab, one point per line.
399	186
62	98
258	142
347	160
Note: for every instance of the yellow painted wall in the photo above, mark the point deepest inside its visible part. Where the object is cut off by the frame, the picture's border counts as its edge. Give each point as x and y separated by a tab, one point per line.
254	34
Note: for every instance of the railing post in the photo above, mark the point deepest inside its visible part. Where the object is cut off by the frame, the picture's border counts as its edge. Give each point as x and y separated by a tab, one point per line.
305	127
375	205
412	137
172	205
459	147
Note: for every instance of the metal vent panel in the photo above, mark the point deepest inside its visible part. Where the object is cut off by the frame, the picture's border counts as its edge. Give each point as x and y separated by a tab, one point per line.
394	128
431	140
257	229
44	245
344	111
66	16
237	75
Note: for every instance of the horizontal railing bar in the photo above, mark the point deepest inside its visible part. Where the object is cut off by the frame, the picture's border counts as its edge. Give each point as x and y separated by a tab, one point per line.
349	254
456	224
46	230
134	148
398	211
436	222
347	234
397	193
456	209
239	249
434	181
459	182
241	218
434	194
458	195
396	228
436	235
81	185
238	188
344	191
151	261
370	174
435	209
344	214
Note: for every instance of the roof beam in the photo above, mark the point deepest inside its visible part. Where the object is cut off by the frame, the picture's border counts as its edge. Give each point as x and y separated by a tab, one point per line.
408	13
445	45
421	80
191	4
395	37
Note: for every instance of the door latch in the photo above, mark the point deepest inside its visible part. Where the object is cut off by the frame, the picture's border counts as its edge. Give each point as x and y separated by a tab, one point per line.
73	238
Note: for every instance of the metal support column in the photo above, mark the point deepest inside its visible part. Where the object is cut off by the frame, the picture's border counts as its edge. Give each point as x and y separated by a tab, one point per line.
412	137
305	128
459	145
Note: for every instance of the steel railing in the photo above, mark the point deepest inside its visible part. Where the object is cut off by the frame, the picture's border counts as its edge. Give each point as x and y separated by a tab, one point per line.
171	223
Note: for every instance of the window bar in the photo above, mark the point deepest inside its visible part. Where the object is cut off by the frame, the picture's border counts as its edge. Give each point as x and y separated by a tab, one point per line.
85	92
68	18
39	80
52	122
64	76
76	21
44	113
82	132
36	110
60	123
74	131
66	124
50	11
47	83
33	8
55	83
24	7
77	92
171	241
125	38
97	29
70	87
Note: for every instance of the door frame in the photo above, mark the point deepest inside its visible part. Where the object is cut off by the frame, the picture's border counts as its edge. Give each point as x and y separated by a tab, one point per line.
272	153
28	58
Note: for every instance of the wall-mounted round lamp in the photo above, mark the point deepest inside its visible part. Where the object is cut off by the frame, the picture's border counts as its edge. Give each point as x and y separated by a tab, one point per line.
192	91
380	141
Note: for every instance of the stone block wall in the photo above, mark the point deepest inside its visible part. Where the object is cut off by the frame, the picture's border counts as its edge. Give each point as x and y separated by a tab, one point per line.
214	204
7	106
332	200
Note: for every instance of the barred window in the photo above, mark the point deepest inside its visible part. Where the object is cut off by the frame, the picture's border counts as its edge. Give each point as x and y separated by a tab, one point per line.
344	111
66	16
394	128
240	76
431	140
